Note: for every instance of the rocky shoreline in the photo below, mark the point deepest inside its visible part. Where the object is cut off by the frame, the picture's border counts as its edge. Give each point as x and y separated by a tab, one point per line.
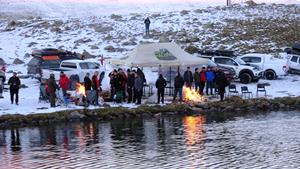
231	107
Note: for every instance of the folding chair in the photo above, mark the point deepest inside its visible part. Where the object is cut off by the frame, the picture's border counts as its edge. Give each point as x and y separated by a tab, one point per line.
245	92
232	90
261	88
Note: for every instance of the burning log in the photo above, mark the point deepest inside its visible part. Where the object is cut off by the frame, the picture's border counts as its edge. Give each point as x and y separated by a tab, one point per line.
191	95
80	91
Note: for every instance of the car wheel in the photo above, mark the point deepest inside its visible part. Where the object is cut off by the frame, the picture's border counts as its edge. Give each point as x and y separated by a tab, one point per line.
245	78
270	75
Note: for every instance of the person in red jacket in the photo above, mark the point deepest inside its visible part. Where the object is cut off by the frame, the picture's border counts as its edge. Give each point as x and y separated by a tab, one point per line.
63	82
96	87
202	79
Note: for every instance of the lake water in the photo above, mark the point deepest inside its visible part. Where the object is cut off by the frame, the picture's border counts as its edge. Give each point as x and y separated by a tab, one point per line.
185	142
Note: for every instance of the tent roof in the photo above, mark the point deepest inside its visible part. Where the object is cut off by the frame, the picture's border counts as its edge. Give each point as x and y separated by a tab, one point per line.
159	54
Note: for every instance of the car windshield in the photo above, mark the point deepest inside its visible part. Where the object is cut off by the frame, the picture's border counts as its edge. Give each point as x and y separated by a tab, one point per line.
210	63
240	61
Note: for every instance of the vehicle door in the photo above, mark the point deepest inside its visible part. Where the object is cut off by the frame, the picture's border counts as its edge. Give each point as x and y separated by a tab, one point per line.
294	63
70	67
84	69
228	62
254	60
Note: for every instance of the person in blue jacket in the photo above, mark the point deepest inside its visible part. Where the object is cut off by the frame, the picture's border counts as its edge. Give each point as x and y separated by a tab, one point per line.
210	77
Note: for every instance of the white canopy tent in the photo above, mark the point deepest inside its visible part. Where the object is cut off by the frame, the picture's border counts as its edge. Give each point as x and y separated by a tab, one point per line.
159	54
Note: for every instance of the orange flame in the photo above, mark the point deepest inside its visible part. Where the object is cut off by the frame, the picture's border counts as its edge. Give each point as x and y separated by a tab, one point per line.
80	89
191	95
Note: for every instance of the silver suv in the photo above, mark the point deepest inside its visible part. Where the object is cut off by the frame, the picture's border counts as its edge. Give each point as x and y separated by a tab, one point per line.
245	73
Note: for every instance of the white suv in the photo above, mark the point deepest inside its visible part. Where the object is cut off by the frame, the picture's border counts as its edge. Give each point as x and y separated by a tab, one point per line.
245	73
294	64
272	67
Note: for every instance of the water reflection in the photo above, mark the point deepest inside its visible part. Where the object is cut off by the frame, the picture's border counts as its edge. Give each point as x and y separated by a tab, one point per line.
193	129
166	142
15	144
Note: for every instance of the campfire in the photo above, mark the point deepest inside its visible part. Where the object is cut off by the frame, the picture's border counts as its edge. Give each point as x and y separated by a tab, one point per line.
191	95
80	89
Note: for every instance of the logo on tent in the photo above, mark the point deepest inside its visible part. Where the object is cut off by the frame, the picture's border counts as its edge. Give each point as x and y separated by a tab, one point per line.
164	54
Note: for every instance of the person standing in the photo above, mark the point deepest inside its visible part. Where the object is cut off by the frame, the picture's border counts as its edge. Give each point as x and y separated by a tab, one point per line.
52	87
87	82
63	82
118	87
202	80
221	83
101	77
14	86
188	77
130	85
138	88
196	79
112	76
123	81
178	84
95	86
147	25
141	75
160	84
210	77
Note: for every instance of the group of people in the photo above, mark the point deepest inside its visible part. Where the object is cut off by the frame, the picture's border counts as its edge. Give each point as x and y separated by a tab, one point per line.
209	78
65	83
127	86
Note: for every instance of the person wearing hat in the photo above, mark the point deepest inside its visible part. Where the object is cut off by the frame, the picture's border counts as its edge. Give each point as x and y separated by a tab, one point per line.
14	86
52	87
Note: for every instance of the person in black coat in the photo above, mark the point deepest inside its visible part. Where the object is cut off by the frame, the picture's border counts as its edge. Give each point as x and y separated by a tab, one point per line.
14	86
138	89
188	77
141	75
52	87
221	82
178	84
147	25
160	84
87	82
130	85
112	82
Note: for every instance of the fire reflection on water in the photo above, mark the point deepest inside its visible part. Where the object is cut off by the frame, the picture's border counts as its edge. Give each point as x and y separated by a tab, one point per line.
193	129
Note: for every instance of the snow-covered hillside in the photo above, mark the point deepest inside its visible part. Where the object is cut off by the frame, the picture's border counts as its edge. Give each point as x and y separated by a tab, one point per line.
246	28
